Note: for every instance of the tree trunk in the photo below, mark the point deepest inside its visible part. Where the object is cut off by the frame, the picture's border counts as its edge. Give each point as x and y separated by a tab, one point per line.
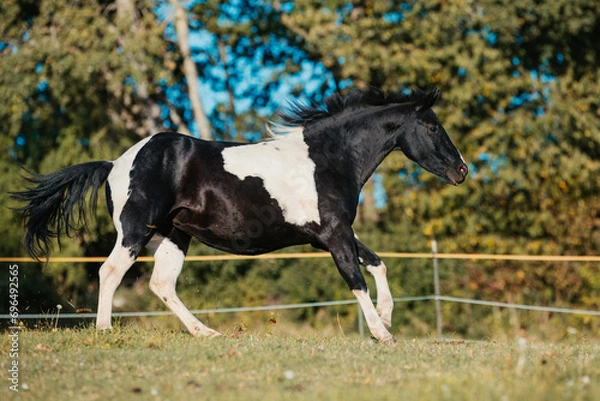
229	90
367	211
149	112
189	69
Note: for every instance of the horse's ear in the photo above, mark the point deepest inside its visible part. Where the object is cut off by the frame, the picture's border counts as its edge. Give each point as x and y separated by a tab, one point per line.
427	100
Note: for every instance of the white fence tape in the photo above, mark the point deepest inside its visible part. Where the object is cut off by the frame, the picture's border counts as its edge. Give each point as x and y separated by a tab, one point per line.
312	305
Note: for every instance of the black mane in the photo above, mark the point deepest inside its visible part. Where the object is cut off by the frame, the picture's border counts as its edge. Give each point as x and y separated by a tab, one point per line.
300	114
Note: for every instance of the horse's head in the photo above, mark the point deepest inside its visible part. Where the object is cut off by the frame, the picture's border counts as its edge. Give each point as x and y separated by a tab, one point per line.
426	142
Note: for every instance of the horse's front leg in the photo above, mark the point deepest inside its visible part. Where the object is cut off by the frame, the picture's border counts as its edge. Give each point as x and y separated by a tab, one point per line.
345	255
375	266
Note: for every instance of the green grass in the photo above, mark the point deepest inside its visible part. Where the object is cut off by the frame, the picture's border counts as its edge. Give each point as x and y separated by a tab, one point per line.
131	363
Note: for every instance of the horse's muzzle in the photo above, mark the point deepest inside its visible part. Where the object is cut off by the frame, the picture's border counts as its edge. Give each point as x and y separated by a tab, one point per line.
457	176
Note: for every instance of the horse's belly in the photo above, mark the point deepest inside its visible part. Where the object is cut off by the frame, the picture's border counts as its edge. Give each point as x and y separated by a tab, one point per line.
251	231
252	239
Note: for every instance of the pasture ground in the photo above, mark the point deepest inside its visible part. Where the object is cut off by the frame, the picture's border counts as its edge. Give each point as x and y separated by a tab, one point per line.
131	363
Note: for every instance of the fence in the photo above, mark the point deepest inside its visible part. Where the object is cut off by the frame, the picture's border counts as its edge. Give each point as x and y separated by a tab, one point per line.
436	297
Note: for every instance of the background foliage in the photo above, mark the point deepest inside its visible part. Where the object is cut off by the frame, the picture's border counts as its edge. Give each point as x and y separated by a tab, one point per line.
520	97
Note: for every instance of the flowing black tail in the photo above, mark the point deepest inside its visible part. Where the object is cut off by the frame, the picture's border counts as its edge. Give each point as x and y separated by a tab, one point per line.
52	201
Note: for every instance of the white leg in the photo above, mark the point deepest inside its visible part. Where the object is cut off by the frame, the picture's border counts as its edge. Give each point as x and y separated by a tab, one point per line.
168	263
385	303
373	320
111	274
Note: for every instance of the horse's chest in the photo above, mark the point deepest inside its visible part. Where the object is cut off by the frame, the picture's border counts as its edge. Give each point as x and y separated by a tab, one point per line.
287	173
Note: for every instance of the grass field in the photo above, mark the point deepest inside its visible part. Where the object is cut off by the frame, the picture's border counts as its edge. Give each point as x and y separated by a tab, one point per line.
131	363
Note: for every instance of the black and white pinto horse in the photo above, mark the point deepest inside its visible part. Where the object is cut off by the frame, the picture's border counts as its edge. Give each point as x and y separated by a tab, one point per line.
300	187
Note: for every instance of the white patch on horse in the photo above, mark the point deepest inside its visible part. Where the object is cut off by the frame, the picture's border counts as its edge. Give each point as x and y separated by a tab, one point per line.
287	172
168	261
111	273
385	302
374	322
119	178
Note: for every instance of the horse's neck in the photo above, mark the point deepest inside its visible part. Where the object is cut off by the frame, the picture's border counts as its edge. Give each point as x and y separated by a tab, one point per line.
354	152
373	149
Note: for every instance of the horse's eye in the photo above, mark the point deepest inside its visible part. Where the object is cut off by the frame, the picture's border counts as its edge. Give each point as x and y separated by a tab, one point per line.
433	129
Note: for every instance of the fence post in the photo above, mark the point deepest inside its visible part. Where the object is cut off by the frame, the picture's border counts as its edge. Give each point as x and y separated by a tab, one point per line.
436	289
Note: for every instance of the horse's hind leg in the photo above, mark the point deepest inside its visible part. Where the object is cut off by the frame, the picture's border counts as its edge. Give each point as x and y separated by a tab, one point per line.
132	235
111	274
169	253
375	266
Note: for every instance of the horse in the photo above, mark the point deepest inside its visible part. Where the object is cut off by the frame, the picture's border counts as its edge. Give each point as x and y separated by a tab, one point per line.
301	186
